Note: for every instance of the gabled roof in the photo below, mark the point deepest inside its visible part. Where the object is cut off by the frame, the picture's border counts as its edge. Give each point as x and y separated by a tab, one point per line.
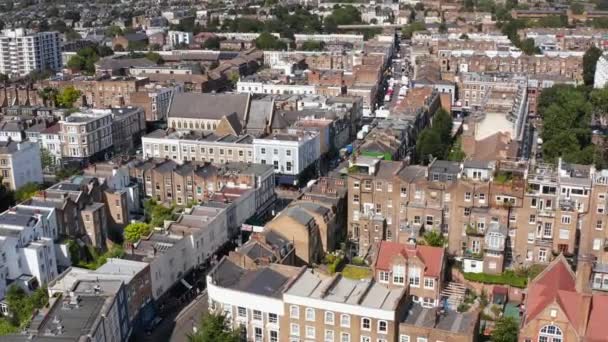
432	257
208	106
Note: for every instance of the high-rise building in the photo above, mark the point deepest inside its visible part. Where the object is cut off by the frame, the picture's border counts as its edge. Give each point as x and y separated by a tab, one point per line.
22	53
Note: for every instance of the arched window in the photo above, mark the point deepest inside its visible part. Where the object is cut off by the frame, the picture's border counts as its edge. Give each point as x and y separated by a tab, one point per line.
550	333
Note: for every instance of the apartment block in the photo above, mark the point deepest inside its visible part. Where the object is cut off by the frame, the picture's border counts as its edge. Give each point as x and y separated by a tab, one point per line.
20	163
184	146
86	135
166	181
100	92
22	52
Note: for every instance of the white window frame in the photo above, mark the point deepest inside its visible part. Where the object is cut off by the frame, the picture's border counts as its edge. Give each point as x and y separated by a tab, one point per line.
385	330
345	320
330	314
294	311
310	314
366	319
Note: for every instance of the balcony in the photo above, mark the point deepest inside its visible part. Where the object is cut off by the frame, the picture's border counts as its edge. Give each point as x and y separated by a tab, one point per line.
469	254
567	205
472	231
544	242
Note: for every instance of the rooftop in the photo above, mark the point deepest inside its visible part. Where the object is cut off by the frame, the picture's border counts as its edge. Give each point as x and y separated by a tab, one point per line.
450	321
337	289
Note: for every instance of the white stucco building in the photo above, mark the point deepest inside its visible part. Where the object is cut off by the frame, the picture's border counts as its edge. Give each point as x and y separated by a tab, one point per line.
20	163
176	38
601	72
290	152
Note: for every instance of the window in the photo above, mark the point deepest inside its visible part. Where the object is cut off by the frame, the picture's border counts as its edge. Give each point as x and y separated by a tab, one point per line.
548	231
542	255
310	332
257	315
414	275
263	150
294	311
399	274
329	336
598	225
355	198
389	187
550	333
565	219
482	197
274	336
532	219
276	152
429	220
467	196
257	331
404	338
356	185
383	277
600	210
416	219
382	327
421	339
273	318
467	211
329	317
429	283
344	337
366	324
564	234
345	321
597	244
295	329
275	164
288	153
310	314
366	339
242	312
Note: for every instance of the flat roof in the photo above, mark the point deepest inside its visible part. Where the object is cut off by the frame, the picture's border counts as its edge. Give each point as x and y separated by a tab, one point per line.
366	293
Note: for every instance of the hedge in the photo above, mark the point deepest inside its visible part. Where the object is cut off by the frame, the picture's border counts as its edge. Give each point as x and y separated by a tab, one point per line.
508	277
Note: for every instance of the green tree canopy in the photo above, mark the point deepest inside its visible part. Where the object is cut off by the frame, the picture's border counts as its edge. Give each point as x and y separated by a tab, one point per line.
267	41
434	238
27	191
155	57
311	45
134	231
589	62
408	30
505	330
68	96
213	328
212	43
429	145
577	8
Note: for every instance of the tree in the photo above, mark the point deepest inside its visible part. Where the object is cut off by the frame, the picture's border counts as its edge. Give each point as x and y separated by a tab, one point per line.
134	231
233	77
577	8
442	123
48	95
215	327
505	330
267	41
3	78
434	238
46	159
589	62
429	145
311	45
26	191
155	57
212	43
68	96
408	30
113	31
529	47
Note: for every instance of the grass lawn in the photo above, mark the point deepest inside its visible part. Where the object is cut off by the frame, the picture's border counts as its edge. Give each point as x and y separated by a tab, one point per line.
356	272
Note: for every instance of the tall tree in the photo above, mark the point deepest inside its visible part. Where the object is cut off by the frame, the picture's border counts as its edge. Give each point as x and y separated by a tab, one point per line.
506	330
68	96
589	62
213	328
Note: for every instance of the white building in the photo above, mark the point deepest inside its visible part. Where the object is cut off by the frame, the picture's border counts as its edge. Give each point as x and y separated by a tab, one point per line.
27	253
187	243
22	53
601	72
290	153
252	86
176	38
50	140
20	163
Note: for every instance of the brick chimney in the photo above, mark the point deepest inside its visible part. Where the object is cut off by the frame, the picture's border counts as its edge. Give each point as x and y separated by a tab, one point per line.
583	273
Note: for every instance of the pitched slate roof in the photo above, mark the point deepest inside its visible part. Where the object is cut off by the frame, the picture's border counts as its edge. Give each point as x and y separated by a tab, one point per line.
431	256
208	106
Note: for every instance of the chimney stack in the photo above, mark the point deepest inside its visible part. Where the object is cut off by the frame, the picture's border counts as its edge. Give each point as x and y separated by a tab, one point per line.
583	273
